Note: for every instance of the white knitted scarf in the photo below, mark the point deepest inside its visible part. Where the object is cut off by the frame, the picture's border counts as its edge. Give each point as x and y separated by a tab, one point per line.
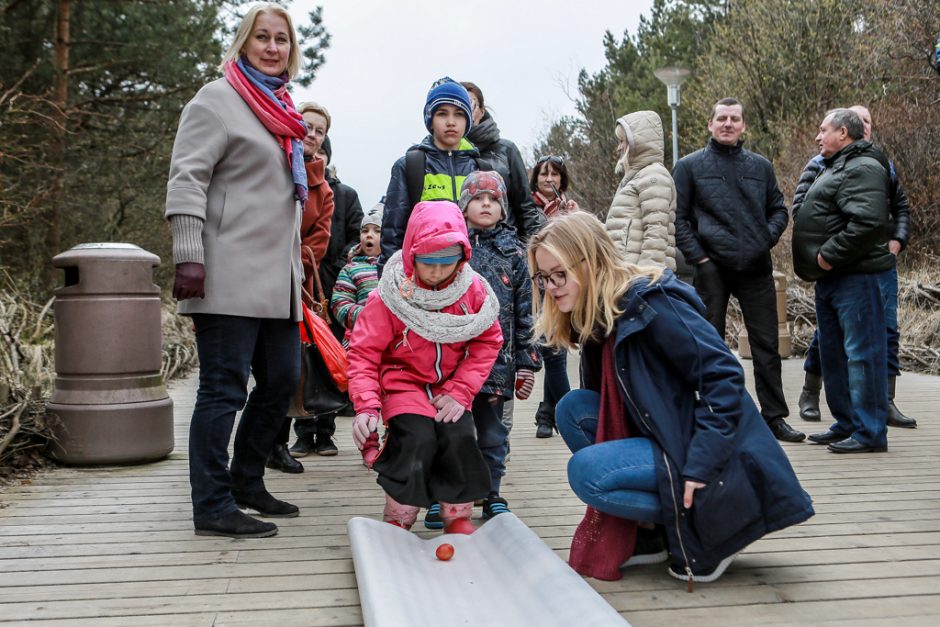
419	308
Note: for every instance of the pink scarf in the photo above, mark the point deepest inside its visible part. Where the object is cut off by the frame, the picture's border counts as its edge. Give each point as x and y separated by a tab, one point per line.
275	109
602	542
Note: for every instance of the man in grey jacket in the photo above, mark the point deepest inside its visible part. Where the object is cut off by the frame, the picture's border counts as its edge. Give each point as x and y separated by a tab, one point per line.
729	214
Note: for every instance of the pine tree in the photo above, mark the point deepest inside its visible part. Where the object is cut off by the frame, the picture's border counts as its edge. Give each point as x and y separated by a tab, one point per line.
87	121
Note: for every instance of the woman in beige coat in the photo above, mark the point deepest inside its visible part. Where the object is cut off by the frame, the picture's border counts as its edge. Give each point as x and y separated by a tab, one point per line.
641	220
235	189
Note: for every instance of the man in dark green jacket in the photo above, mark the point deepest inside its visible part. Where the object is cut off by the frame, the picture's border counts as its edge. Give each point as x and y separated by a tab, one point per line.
840	240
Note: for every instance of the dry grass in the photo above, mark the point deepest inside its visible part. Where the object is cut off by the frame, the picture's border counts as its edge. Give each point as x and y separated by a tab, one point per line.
918	316
27	375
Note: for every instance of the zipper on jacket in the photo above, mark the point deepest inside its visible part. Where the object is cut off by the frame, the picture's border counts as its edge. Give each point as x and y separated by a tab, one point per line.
672	487
437	362
675	506
453	176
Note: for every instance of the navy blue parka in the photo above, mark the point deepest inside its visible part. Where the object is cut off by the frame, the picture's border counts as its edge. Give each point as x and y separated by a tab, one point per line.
684	390
498	257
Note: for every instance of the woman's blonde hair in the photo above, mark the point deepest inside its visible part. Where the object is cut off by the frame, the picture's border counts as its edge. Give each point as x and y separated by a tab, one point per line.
313	107
582	246
244	32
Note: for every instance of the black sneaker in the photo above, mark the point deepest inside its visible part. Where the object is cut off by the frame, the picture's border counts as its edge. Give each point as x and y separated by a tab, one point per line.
325	446
494	506
433	520
235	525
678	572
302	447
545	420
650	548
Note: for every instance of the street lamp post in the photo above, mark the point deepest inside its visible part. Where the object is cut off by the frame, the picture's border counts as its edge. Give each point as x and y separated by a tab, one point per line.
673	77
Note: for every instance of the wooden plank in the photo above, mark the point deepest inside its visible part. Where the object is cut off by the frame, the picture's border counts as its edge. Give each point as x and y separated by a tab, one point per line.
327	600
109	546
883	611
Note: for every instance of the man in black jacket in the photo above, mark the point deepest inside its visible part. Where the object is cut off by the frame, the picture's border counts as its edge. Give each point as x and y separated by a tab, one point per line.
840	240
504	157
729	214
899	227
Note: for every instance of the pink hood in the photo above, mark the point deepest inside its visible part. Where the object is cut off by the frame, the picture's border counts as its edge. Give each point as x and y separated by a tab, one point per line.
396	371
434	224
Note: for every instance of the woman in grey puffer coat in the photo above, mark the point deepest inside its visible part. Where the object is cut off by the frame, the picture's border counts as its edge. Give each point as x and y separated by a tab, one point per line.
641	219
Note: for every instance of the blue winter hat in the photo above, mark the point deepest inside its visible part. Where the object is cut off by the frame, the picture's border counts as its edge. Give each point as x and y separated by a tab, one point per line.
444	256
447	91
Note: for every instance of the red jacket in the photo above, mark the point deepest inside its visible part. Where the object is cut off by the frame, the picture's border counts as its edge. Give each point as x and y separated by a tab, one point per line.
316	219
398	371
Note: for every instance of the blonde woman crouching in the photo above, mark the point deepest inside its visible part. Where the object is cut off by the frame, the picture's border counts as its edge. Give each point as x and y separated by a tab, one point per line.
669	450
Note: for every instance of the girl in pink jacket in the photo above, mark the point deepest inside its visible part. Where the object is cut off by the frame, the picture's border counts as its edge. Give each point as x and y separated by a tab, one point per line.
421	349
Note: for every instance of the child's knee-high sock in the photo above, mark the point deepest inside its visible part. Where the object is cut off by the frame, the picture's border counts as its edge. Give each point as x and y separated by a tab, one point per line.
398	514
456	517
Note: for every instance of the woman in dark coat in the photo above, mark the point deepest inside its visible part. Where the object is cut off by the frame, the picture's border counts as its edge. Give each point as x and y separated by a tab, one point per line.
316	435
664	436
504	157
548	183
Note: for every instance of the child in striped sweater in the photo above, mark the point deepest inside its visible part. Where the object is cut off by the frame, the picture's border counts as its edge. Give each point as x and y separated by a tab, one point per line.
355	282
359	277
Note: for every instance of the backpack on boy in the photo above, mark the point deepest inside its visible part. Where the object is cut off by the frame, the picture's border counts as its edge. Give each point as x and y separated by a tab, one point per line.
415	162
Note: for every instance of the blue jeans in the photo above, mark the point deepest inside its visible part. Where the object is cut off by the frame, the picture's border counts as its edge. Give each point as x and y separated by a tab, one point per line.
616	477
229	347
492	436
888	282
555	362
853	352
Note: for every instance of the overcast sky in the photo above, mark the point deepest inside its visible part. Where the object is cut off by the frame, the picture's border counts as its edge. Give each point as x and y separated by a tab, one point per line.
385	54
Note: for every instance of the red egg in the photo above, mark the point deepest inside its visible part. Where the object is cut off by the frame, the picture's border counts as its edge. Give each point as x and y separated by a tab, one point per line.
444	552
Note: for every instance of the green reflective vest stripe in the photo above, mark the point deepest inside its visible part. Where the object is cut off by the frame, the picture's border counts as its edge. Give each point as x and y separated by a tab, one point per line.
440	187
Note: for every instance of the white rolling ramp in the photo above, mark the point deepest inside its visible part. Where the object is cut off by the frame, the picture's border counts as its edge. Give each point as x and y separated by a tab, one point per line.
501	576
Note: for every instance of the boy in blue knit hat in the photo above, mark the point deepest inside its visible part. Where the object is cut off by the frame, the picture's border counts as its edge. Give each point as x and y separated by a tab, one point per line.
445	156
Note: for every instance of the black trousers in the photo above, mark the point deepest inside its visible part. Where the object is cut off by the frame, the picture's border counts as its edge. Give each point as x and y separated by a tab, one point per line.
324	425
231	348
758	300
423	461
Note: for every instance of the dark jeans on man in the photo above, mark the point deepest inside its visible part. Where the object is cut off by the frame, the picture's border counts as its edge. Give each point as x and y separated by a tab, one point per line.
758	299
231	347
853	351
888	283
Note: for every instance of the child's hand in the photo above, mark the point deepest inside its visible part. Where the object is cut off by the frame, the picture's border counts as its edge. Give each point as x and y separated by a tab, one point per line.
363	425
525	381
448	410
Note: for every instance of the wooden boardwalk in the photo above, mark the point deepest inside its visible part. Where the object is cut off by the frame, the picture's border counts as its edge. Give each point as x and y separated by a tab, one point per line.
115	546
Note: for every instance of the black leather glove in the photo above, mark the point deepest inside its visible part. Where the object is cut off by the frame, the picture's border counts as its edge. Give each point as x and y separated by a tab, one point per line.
190	281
